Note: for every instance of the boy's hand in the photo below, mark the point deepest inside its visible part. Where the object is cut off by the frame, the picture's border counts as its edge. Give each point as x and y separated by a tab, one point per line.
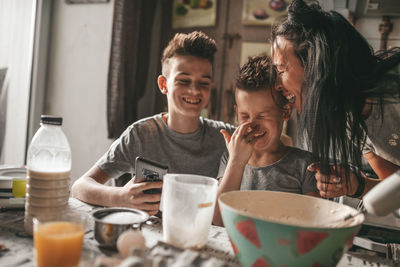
335	186
132	196
240	144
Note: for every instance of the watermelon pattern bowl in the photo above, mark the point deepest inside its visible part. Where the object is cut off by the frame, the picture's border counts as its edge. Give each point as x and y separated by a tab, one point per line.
269	228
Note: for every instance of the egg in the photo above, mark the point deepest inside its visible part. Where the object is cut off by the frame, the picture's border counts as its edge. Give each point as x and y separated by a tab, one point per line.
129	240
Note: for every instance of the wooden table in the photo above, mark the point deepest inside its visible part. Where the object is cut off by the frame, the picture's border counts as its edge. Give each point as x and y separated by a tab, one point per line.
19	246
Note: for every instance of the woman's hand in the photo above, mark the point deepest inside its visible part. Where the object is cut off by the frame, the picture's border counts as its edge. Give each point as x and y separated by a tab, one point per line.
132	196
240	144
334	185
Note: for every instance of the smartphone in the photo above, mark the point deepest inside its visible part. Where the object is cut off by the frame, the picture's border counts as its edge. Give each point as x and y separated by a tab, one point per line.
149	171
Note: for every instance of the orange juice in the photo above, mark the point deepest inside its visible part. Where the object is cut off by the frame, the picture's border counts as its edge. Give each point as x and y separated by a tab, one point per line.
58	244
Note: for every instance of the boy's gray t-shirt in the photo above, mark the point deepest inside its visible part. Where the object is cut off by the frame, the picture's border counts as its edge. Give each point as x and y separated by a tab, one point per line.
289	174
151	138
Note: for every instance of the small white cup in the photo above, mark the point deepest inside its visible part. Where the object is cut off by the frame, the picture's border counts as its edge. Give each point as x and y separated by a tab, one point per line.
188	203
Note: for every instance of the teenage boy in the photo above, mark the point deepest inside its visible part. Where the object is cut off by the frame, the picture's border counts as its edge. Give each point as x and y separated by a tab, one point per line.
180	138
258	160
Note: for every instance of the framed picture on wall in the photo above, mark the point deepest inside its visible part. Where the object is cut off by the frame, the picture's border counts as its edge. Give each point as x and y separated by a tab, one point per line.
250	49
263	12
193	13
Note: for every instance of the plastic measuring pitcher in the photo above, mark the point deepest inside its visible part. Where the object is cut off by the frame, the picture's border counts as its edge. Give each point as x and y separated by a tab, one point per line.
188	208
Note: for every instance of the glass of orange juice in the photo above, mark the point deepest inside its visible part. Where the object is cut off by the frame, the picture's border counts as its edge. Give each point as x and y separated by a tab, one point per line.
58	241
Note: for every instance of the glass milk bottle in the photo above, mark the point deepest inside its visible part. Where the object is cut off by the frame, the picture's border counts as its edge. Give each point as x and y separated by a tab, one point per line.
48	169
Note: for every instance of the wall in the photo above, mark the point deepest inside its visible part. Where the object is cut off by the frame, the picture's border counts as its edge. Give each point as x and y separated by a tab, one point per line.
369	28
77	78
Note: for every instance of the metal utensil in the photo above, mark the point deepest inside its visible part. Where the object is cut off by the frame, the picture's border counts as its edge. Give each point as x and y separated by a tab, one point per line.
107	233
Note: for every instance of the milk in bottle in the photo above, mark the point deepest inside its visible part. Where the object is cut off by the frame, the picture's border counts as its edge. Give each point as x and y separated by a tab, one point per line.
48	170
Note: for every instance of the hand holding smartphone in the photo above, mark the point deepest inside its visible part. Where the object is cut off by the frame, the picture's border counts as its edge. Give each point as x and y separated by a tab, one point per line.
149	171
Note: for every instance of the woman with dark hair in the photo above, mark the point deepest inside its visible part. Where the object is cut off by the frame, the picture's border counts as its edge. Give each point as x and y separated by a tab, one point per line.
347	96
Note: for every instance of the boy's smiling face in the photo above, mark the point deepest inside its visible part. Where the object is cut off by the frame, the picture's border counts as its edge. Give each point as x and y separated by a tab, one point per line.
187	84
259	107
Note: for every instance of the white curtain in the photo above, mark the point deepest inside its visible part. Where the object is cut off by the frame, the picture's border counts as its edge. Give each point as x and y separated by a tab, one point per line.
16	48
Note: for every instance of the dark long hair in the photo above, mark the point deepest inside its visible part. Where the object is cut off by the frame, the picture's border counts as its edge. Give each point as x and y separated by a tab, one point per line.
341	72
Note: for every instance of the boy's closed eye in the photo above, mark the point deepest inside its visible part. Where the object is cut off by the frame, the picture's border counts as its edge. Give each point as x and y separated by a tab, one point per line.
183	81
264	116
260	117
205	83
243	117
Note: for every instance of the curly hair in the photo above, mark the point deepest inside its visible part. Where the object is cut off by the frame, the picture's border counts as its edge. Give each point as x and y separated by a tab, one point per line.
195	43
258	73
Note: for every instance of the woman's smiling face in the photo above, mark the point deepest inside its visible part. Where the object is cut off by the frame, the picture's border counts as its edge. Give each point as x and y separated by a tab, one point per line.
290	71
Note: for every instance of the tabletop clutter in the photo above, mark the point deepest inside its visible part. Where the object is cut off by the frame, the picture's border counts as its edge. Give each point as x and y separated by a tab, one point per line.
185	226
261	228
132	251
18	245
58	233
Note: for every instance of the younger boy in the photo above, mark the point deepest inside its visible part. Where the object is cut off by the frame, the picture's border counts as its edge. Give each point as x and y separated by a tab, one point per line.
181	139
258	160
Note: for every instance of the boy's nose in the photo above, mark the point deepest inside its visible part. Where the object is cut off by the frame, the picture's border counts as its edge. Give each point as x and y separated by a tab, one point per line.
194	87
252	120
